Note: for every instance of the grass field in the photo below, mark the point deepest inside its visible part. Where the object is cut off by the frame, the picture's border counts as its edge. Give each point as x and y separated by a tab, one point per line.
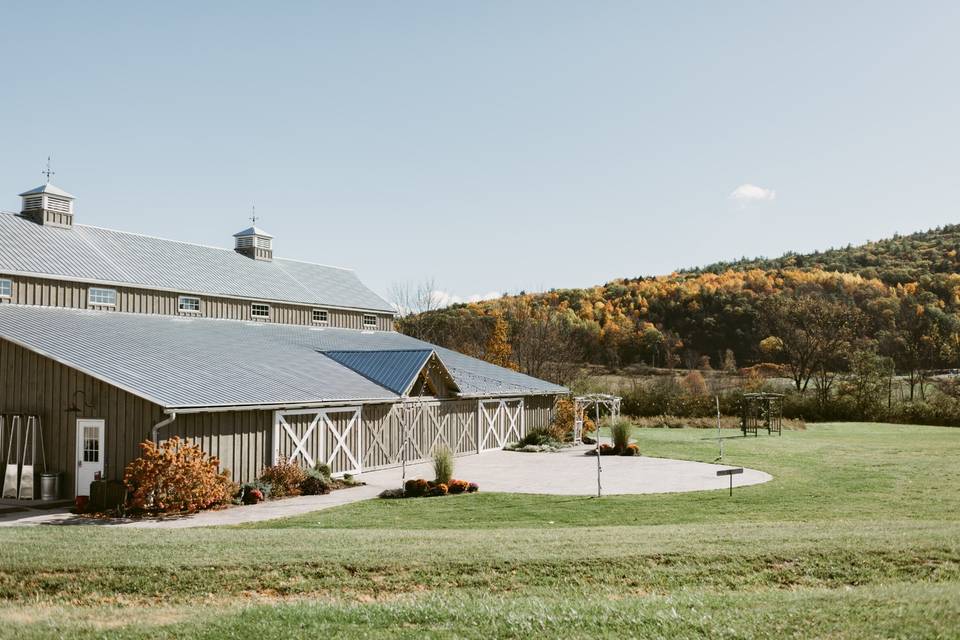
857	536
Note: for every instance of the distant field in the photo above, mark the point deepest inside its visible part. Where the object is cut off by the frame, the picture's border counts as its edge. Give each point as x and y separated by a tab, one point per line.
857	536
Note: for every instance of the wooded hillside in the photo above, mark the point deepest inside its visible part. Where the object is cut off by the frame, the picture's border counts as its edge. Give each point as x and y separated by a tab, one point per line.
896	299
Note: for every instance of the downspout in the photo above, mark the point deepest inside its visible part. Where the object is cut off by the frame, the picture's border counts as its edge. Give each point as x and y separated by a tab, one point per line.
155	432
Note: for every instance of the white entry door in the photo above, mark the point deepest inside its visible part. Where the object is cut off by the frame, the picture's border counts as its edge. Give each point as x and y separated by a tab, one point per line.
89	454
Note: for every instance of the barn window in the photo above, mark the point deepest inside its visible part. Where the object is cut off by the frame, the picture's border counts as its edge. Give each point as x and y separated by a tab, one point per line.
260	310
103	297
6	288
189	304
369	321
320	316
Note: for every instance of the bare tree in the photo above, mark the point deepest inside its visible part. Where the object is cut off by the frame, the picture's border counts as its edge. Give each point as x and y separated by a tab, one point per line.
544	346
413	299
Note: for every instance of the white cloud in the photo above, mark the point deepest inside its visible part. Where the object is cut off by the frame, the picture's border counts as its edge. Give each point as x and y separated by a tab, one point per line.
445	298
747	193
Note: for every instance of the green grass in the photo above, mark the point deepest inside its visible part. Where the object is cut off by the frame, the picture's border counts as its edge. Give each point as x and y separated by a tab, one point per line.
857	536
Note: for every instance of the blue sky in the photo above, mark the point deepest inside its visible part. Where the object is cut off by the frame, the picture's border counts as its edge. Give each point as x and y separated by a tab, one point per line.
493	146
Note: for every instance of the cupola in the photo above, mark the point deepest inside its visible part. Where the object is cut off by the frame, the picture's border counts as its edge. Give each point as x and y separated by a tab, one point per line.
255	243
48	205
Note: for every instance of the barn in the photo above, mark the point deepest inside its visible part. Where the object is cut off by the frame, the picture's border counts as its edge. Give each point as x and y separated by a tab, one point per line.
109	338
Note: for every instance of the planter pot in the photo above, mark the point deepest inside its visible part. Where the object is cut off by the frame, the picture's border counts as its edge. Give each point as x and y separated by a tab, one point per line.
81	502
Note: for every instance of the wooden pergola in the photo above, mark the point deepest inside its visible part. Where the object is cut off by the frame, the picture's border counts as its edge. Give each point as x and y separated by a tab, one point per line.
595	400
762	411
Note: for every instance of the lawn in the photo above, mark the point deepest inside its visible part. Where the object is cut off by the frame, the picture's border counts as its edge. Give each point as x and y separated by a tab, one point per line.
857	536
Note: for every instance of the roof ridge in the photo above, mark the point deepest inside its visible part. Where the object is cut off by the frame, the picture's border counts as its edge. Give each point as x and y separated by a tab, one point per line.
198	244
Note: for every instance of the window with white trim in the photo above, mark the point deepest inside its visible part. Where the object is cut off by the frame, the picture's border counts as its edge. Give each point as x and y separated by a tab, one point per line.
369	321
260	310
102	297
188	304
320	316
6	288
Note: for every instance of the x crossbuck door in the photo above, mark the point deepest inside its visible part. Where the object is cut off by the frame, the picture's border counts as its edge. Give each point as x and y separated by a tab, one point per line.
330	435
501	421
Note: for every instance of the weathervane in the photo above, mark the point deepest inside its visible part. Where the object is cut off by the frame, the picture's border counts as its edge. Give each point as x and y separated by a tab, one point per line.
49	172
253	215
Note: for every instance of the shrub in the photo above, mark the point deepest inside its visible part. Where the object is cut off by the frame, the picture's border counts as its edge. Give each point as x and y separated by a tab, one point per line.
439	489
443	464
315	484
605	450
473	487
392	494
253	492
416	488
538	436
176	476
458	486
323	469
631	450
695	384
620	431
284	477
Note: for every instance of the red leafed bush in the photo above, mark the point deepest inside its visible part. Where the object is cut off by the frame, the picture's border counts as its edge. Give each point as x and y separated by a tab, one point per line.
416	488
458	486
438	489
174	477
284	478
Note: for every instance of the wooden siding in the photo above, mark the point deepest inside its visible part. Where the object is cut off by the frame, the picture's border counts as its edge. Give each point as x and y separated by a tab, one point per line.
33	384
66	293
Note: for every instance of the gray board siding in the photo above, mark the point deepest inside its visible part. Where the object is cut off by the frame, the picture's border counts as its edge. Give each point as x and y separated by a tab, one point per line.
104	255
181	363
49	292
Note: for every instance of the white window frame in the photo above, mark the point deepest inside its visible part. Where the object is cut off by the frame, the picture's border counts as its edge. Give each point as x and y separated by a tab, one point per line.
255	315
180	301
6	288
369	325
95	303
326	316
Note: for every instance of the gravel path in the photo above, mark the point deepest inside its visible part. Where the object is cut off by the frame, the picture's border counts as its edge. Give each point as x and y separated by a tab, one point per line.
568	472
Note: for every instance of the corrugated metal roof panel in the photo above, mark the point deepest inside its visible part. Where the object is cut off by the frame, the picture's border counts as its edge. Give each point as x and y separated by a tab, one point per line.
92	253
201	362
395	370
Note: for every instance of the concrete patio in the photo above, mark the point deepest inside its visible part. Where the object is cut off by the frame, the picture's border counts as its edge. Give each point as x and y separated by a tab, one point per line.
568	472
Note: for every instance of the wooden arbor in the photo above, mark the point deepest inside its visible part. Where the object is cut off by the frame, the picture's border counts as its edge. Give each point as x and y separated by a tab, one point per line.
596	400
762	411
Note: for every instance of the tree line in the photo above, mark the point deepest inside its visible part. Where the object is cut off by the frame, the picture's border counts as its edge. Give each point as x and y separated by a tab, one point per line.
832	317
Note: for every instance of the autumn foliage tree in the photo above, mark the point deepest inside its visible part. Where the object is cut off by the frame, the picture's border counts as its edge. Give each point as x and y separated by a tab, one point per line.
498	349
176	477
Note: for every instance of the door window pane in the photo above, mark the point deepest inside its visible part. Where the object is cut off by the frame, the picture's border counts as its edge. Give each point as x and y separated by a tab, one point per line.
91	444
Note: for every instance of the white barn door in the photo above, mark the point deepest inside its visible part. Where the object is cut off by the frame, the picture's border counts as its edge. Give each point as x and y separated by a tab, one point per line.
331	435
499	422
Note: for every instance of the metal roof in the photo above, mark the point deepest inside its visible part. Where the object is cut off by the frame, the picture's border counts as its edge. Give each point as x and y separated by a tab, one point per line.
48	188
202	362
252	231
395	370
121	258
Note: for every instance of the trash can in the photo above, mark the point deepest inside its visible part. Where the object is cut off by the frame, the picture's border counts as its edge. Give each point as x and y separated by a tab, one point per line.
49	486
